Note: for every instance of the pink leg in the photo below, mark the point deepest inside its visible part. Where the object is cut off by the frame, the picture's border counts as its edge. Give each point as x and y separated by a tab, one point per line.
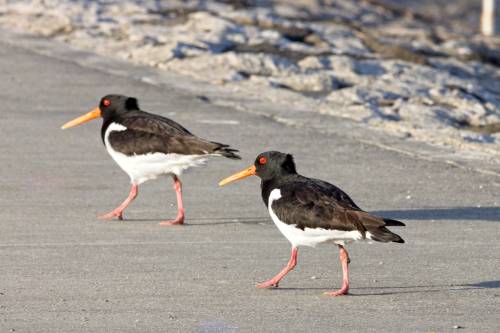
275	280
344	259
118	211
180	207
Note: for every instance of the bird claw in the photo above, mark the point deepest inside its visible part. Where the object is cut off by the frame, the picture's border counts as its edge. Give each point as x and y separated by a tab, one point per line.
172	222
267	284
340	292
111	215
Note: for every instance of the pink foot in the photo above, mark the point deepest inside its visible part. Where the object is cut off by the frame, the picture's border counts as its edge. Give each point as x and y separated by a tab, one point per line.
180	207
177	221
340	292
267	284
118	211
275	280
344	259
111	215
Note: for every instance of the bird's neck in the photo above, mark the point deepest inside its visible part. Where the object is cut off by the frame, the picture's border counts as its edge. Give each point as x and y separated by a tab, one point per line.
268	185
104	127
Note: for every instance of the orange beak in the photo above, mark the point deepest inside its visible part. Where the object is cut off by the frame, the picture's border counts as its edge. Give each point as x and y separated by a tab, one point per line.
96	113
237	176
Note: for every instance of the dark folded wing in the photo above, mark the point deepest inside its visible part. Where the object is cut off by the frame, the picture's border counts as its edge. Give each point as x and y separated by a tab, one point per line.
152	123
335	192
307	205
131	142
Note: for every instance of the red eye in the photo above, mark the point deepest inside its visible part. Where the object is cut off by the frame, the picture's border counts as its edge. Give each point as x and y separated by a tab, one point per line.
262	160
106	102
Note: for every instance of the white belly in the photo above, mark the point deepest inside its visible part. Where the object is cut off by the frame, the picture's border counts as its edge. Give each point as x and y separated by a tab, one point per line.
141	168
311	236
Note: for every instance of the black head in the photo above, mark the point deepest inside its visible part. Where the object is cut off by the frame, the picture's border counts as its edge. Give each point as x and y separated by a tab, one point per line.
109	107
273	164
268	165
113	105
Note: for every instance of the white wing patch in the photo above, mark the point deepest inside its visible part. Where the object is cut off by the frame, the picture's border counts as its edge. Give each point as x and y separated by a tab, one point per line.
310	236
141	168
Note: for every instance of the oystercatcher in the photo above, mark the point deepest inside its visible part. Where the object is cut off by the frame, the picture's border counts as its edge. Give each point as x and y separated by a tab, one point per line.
310	211
146	146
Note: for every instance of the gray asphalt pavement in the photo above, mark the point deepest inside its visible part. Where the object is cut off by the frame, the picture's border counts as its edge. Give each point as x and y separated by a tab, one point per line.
62	270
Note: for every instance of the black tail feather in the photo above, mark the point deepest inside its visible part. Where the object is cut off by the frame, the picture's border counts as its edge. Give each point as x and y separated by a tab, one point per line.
382	234
393	223
227	151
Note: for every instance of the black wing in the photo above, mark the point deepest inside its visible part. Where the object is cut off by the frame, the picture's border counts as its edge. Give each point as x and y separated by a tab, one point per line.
152	123
149	133
309	205
333	191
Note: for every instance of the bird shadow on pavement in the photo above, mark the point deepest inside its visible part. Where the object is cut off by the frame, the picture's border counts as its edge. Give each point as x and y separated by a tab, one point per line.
491	214
484	285
202	221
405	290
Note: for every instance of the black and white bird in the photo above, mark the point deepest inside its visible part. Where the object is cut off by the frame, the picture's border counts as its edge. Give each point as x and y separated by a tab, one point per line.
309	212
147	145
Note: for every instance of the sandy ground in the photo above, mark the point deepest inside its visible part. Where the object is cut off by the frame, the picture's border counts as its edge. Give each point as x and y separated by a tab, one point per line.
65	271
